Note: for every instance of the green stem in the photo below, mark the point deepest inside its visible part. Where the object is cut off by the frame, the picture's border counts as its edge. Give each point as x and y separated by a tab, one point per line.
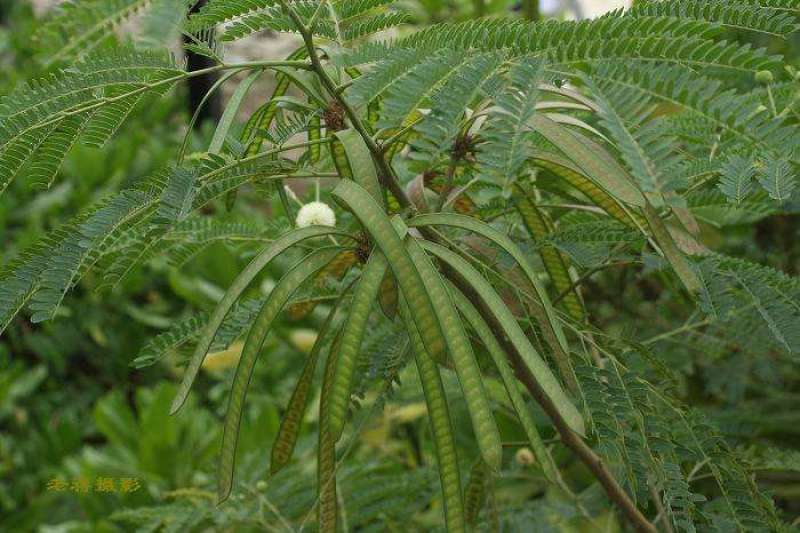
193	121
385	145
386	173
585	276
260	155
678	331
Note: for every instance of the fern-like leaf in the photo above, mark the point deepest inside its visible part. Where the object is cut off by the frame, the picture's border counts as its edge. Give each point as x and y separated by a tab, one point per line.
68	99
507	146
736	182
736	14
778	178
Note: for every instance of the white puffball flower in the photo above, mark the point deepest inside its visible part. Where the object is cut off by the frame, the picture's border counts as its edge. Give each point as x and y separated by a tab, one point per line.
316	214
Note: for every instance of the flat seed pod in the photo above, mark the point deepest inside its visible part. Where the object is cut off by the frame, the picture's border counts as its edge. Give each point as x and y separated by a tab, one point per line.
504	242
475	494
603	170
537	366
460	350
339	157
328	506
375	221
224	126
555	262
388	296
327	509
569	172
233	293
231	109
510	383
441	425
366	293
315	134
289	430
290	282
591	158
353	160
262	119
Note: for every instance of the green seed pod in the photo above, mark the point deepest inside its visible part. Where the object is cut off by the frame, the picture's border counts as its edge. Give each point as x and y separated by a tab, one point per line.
262	118
385	236
594	162
352	335
327	509
388	296
555	262
303	270
475	495
441	425
537	366
233	293
566	170
354	161
315	134
510	383
460	350
549	320
295	411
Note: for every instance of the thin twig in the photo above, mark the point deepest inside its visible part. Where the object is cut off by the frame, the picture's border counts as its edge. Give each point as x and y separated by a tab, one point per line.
386	172
144	87
584	277
385	145
448	183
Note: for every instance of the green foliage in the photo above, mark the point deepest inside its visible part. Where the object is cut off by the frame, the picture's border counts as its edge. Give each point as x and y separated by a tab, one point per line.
554	187
80	26
43	119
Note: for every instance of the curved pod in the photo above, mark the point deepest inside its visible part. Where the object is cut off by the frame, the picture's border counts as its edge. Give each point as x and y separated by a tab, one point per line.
460	350
277	299
366	293
441	425
380	227
233	293
533	360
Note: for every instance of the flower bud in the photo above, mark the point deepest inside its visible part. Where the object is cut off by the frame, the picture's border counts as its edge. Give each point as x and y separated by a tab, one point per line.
764	77
525	457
